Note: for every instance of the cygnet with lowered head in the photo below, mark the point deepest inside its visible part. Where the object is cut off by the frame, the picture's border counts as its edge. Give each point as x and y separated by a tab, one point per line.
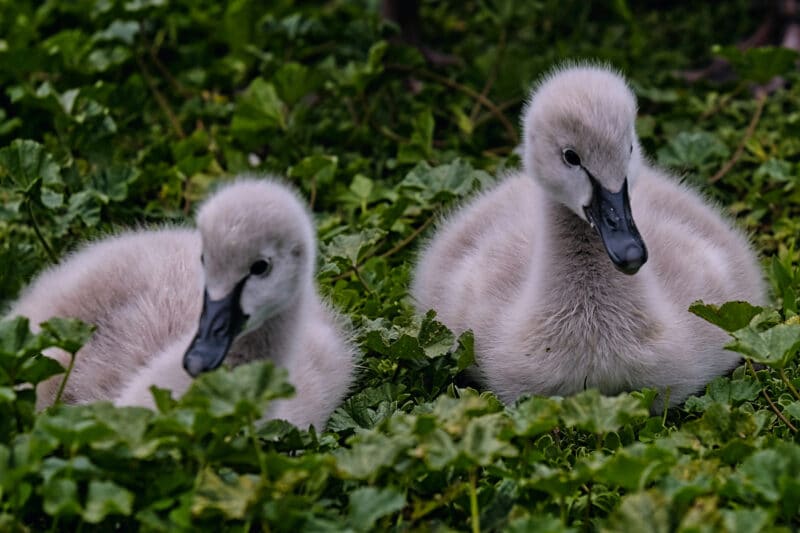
171	303
579	271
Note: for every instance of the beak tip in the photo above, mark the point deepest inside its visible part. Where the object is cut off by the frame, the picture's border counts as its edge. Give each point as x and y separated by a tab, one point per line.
634	257
193	365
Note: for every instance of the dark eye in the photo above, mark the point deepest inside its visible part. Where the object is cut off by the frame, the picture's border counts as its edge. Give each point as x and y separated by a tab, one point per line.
631	148
202	260
570	157
260	268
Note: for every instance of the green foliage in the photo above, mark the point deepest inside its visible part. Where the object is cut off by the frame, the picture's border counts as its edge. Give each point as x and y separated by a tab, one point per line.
116	113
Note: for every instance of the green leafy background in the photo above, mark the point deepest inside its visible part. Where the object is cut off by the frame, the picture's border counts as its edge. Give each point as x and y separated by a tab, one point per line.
122	112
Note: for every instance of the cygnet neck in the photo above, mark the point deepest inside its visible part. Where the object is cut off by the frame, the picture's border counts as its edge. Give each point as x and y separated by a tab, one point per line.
583	277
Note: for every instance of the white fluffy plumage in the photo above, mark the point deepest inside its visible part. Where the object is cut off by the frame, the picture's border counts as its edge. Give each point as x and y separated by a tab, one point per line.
144	292
524	267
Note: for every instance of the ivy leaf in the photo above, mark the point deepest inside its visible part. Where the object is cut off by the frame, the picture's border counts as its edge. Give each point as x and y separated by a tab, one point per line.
535	416
26	165
319	169
369	504
232	496
592	412
759	64
482	442
692	150
634	467
420	145
431	185
727	391
119	30
642	511
731	316
61	497
258	111
68	334
106	498
350	248
293	81
242	392
774	347
369	453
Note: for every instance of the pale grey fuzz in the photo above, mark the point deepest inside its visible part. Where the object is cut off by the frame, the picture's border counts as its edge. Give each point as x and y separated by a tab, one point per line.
144	292
524	266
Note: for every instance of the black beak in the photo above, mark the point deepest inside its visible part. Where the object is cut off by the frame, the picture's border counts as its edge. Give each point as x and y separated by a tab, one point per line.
220	322
610	214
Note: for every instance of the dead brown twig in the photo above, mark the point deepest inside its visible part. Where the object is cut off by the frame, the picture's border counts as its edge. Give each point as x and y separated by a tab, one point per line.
511	131
761	100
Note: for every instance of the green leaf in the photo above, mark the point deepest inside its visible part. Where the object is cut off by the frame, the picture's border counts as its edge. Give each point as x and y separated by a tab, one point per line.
67	333
351	247
692	150
429	185
759	64
769	473
535	416
773	347
420	145
370	452
369	504
731	316
72	425
634	467
232	497
746	520
106	498
16	337
243	392
643	511
258	111
592	412
316	168
482	442
37	369
727	391
119	30
25	165
112	182
293	81
539	523
61	497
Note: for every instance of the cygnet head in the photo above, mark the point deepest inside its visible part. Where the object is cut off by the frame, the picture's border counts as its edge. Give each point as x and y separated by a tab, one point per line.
258	256
580	145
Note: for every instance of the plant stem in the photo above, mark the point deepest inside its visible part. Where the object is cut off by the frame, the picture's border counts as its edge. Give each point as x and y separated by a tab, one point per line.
402	244
160	99
766	397
39	235
449	495
473	503
262	461
789	384
361	280
588	511
64	380
666	408
751	128
492	77
511	131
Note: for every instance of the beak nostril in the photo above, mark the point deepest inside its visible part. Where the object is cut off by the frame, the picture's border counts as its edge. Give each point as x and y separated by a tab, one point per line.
611	218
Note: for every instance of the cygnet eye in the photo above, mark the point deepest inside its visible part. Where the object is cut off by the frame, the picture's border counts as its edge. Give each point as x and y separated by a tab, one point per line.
260	268
570	157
